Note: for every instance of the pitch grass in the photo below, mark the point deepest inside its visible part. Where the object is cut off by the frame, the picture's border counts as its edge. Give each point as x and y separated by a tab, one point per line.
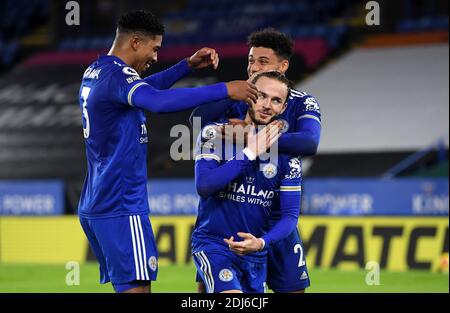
52	278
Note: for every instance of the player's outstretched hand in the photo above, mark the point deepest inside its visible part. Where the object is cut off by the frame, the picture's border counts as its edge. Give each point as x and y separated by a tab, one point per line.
248	245
203	58
241	90
259	142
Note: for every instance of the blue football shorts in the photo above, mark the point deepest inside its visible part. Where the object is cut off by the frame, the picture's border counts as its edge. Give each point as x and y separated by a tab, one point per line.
225	270
286	265
125	248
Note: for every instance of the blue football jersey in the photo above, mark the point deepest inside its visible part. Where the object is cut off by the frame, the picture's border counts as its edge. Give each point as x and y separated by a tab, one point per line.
300	106
116	141
246	204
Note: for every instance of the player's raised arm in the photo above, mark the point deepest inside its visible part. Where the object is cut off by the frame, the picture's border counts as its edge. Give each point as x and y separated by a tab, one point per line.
146	97
306	137
201	59
211	176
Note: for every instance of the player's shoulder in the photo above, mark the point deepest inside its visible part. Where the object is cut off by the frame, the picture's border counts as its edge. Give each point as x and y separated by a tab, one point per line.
303	102
297	94
123	73
301	97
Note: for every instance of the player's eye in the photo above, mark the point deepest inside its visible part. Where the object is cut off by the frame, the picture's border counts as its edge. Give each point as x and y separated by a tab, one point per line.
276	101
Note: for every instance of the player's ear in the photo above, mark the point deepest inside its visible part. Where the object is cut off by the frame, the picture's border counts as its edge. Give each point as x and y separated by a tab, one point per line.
284	66
135	41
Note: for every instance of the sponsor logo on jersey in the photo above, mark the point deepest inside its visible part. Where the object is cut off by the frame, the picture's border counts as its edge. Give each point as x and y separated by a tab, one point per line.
250	190
304	276
269	170
296	169
225	275
312	105
132	79
144	137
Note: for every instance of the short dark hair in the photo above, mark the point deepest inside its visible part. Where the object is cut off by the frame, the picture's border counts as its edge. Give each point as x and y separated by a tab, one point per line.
273	39
277	76
140	21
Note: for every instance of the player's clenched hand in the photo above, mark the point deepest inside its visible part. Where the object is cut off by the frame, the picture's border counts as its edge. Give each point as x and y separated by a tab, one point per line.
248	245
203	58
259	142
242	90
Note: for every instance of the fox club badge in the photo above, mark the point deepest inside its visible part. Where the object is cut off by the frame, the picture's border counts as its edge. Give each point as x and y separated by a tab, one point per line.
285	125
269	170
225	275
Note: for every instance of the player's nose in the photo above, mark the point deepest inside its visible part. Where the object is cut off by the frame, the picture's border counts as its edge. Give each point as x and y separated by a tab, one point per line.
266	104
254	69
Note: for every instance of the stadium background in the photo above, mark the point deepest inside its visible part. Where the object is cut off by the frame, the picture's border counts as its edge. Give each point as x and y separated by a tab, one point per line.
376	191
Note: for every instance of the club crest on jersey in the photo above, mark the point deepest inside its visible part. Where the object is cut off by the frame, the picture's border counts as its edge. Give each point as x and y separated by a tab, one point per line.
225	275
296	169
269	170
311	104
285	125
153	263
209	133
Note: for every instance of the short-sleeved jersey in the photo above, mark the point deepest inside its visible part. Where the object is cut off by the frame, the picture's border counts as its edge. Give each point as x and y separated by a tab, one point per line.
116	141
246	204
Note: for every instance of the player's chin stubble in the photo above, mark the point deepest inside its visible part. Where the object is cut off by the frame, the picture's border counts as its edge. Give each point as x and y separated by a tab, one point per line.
257	121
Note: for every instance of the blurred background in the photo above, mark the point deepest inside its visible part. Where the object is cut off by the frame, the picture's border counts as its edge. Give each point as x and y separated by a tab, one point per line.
376	191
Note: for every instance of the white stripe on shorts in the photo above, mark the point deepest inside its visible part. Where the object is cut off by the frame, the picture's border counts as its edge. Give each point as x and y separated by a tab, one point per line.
138	243
208	270
203	270
143	249
134	249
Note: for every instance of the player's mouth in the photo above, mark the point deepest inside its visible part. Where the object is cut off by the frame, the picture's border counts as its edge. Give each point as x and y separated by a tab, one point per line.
265	115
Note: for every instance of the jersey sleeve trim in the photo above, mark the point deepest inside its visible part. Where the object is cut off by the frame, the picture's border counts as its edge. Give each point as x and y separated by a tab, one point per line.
290	188
207	156
132	90
310	116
